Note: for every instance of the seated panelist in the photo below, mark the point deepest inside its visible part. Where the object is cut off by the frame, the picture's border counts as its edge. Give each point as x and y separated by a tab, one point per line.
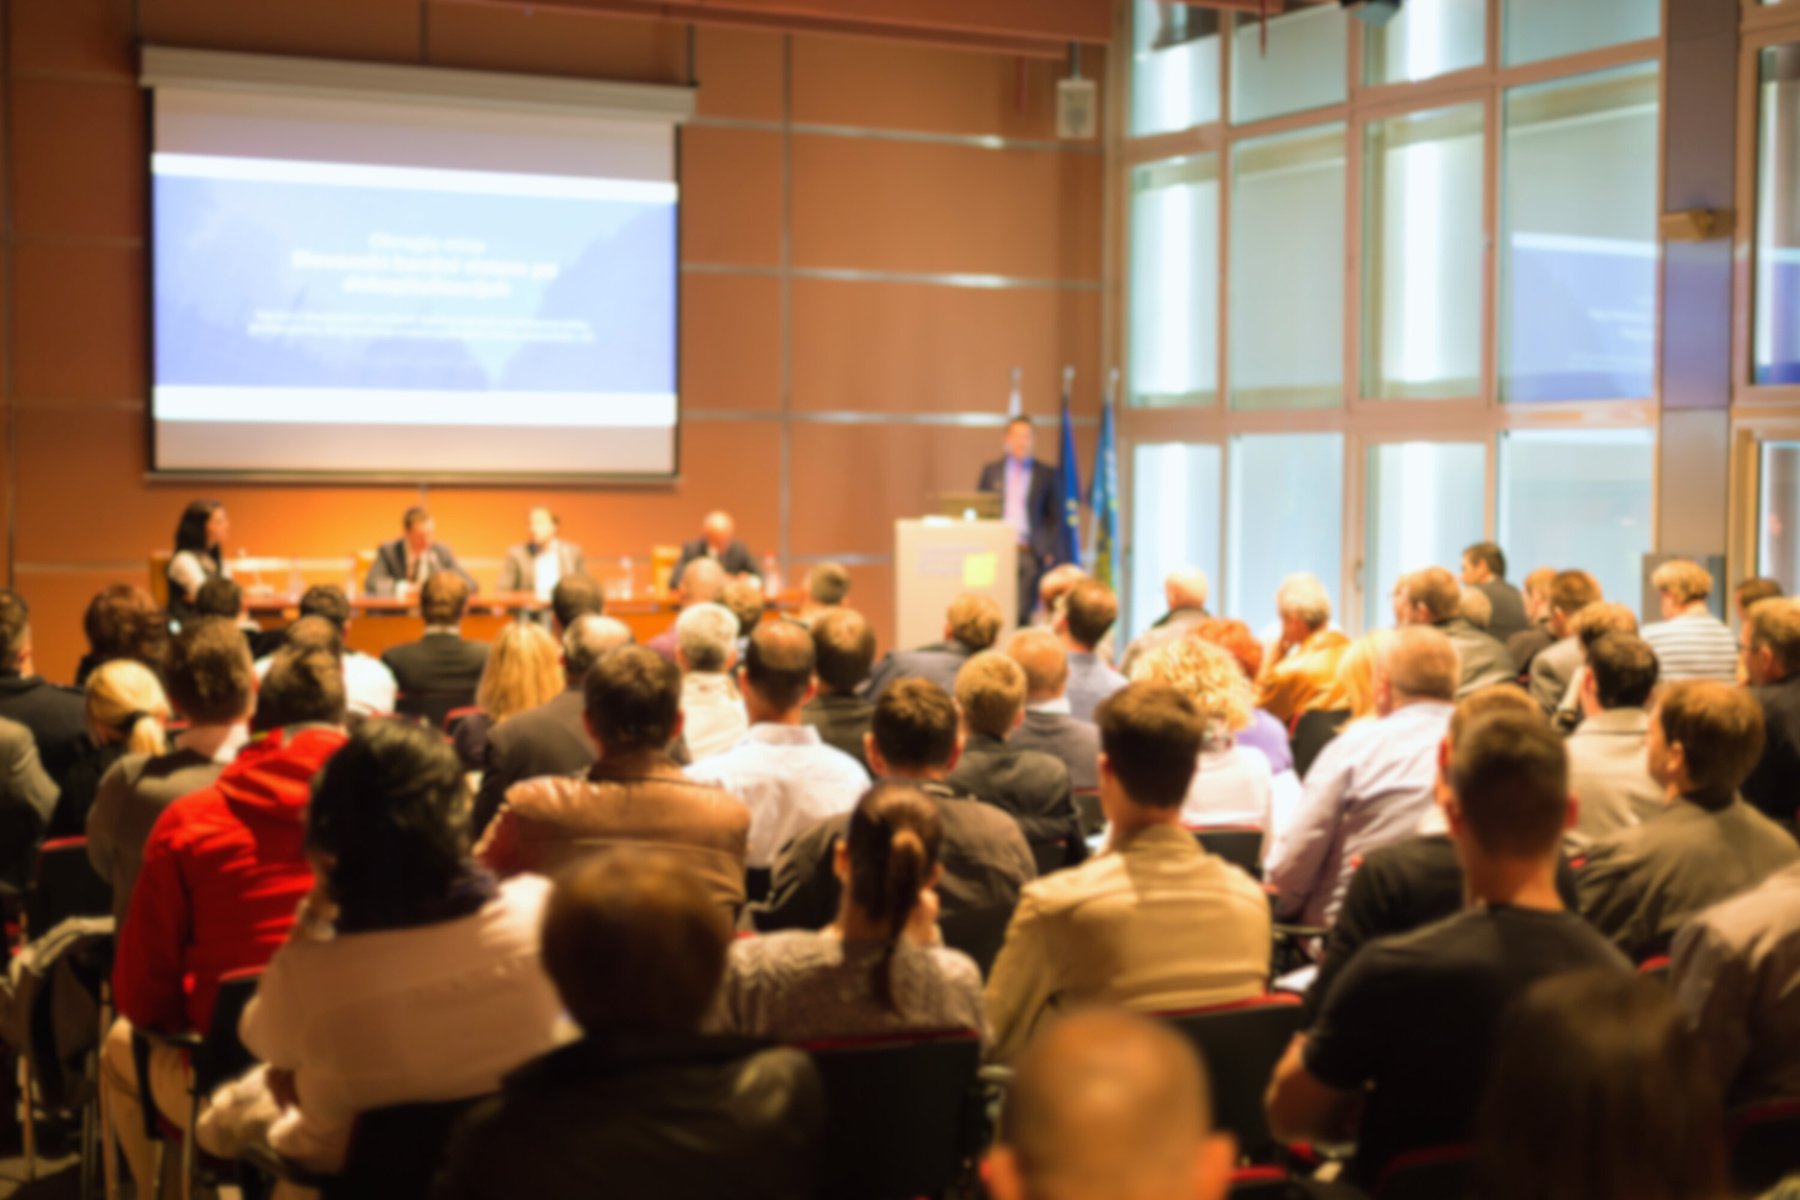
543	560
717	541
404	564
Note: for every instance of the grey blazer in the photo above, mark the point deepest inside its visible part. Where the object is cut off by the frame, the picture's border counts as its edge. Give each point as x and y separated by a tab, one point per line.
1076	743
518	573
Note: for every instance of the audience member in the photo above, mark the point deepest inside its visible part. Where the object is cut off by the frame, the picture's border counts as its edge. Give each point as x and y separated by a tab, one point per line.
1185	591
1409	1025
1690	642
826	588
1432	597
1232	784
1609	754
122	621
1597	1093
27	798
1736	974
541	562
222	597
411	975
1109	1106
913	738
199	553
712	712
404	564
1298	675
1484	569
222	874
1751	592
1028	785
574	597
210	683
1373	784
1526	644
369	685
56	716
1264	734
634	794
442	669
718	544
781	768
1476	607
1351	699
1591	624
971	625
551	739
127	713
642	1105
1554	667
523	670
1048	726
1770	641
1053	591
703	584
1641	885
881	966
1156	922
843	653
743	597
1088	614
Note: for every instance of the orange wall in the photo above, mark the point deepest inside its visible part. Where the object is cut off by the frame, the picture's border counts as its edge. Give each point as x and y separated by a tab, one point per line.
838	379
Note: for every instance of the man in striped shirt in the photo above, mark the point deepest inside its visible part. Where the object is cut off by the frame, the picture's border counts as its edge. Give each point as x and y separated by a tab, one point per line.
1690	642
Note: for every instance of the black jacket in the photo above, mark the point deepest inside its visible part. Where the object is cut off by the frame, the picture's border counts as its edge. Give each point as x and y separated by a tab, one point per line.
687	1119
389	567
1074	743
1027	784
436	674
550	739
1041	502
56	716
1774	783
736	560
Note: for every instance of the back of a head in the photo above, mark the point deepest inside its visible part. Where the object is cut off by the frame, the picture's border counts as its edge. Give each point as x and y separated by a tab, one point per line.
1056	583
1720	730
1510	774
701	581
1207	675
1420	663
1090	611
1572	591
974	619
914	724
1495	697
1752	591
1436	590
328	601
1538	583
634	944
219	597
705	635
1624	669
387	814
1682	580
122	621
208	672
1601	618
1302	597
1774	623
1489	555
576	596
1187	588
15	629
990	690
632	697
524	670
1598	1091
1476	608
843	649
443	598
1151	735
778	664
828	584
126	706
1353	685
744	599
1041	656
892	841
314	633
1233	637
586	639
1109	1106
304	685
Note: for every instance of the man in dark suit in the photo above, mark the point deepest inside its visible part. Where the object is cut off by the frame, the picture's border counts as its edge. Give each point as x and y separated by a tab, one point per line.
1028	502
1770	639
440	671
551	739
540	563
843	651
413	558
56	716
1484	568
717	541
1048	725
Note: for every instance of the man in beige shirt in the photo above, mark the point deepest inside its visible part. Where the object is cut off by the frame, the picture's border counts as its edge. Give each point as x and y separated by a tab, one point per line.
1153	924
1609	752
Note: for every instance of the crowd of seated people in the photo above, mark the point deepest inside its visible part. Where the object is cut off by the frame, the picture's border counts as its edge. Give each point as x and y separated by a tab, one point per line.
605	896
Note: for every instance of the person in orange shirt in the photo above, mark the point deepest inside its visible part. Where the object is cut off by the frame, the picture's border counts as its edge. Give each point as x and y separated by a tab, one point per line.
1303	668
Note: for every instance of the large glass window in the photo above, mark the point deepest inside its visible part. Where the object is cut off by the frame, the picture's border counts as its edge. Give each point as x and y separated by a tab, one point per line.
1285	281
1303	65
1425	501
1174	67
1174	282
1578	498
1286	514
1776	349
1426	38
1578	230
1538	29
1778	515
1174	521
1422	239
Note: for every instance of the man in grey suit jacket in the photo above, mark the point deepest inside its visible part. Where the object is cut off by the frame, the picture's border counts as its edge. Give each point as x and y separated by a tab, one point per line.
413	558
1556	664
27	798
1484	568
1609	754
1048	724
524	569
1433	597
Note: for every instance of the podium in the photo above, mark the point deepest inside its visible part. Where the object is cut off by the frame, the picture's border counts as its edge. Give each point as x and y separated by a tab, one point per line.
936	559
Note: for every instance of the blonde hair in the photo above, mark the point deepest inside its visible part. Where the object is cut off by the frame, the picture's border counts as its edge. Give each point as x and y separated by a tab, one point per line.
1682	580
990	690
524	670
1206	674
125	703
1354	686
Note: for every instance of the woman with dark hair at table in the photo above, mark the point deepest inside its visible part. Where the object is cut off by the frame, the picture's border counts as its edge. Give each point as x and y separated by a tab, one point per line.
199	553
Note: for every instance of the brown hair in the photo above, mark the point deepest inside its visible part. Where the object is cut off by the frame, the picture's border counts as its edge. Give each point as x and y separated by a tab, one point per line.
443	597
1750	591
1775	623
1495	697
122	621
778	664
843	649
1572	591
1601	618
828	584
893	841
1511	777
990	690
914	725
1624	669
1151	735
304	684
1436	590
1090	608
1720	731
1234	637
632	698
975	620
208	674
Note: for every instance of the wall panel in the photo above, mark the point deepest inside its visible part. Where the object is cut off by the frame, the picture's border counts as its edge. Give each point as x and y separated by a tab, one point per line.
549	41
80	330
739	72
731	196
65	36
376	30
730	342
78	155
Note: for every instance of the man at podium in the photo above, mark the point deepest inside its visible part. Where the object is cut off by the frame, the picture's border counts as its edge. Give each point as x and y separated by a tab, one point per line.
1028	503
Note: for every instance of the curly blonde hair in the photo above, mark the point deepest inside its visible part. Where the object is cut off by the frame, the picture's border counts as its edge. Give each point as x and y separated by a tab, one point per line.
524	670
1206	674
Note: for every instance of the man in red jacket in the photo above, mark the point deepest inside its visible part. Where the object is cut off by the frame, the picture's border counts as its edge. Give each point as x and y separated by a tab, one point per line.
224	871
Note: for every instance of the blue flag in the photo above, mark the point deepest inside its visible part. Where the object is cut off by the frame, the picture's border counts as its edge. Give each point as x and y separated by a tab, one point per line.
1068	530
1103	502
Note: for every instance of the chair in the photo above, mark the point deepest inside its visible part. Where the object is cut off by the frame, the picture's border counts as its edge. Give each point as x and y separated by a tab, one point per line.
1050	856
903	1114
64	885
1655	968
1087	811
1241	1044
1765	1145
1431	1173
457	715
395	1152
757	881
1239	845
978	933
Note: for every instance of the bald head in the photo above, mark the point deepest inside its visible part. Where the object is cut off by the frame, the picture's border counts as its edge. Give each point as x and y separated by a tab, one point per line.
1109	1106
701	581
1186	588
718	529
1041	656
1416	663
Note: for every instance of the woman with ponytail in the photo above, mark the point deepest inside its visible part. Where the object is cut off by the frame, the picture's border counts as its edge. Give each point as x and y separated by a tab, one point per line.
881	966
126	712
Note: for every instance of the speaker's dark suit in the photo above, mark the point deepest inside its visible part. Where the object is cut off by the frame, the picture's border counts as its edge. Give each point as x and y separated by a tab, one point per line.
736	560
389	567
1042	521
436	674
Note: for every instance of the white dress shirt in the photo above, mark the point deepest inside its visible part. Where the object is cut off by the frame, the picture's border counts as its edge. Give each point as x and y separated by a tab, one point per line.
1232	786
369	687
712	713
546	570
788	778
